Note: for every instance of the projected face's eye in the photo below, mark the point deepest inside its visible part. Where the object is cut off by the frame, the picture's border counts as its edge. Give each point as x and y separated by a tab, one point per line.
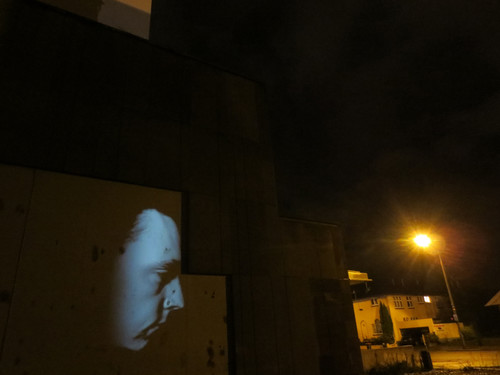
163	276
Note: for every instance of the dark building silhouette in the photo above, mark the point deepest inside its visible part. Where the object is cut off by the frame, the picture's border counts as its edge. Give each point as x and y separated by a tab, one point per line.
81	98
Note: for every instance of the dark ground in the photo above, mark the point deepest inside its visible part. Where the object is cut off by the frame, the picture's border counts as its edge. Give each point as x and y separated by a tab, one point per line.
471	371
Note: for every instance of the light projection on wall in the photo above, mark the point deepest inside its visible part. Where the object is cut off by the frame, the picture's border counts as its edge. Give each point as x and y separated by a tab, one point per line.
93	271
147	286
132	16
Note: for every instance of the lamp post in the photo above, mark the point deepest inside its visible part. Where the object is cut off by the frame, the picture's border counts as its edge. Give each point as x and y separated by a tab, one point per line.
424	241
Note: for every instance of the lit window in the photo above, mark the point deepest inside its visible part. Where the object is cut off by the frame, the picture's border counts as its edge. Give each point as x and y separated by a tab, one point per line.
420	299
427	299
398	303
374	301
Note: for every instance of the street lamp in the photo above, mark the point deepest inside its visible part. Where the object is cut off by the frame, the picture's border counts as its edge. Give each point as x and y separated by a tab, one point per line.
422	240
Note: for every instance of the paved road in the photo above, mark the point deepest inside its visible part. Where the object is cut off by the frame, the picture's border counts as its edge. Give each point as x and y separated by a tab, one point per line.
459	359
481	371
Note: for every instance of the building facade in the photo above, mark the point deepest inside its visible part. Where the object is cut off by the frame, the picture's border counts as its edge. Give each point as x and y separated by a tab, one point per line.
412	316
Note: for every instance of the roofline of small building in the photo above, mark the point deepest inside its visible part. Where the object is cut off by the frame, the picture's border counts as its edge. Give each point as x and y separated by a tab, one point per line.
393	294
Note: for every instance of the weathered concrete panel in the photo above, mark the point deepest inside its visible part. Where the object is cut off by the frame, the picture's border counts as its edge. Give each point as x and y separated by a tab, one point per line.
229	243
304	342
339	347
200	167
299	250
203	243
228	173
170	94
206	97
238	110
243	259
133	148
282	325
264	240
81	148
244	325
388	356
325	252
163	161
265	333
15	195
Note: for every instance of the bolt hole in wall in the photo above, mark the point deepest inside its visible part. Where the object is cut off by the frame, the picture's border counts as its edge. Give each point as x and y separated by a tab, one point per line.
93	285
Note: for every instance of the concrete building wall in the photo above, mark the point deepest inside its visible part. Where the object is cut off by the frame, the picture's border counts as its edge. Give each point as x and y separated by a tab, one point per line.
80	98
447	331
373	358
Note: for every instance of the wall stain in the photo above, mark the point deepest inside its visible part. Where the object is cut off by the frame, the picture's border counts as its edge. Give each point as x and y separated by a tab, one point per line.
213	294
4	296
2	205
17	361
224	319
92	289
222	350
210	352
20	209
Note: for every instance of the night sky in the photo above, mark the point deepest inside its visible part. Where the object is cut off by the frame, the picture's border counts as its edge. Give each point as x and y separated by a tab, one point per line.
385	117
395	127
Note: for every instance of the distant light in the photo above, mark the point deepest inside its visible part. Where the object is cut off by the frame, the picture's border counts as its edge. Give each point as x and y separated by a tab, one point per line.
422	240
427	299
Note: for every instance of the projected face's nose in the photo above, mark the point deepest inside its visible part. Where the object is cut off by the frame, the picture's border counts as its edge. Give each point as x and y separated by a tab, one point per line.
173	298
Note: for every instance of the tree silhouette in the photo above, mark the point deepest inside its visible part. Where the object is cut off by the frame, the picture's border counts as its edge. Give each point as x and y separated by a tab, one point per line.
386	322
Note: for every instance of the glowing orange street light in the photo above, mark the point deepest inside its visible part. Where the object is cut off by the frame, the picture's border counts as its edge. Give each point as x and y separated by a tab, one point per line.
422	240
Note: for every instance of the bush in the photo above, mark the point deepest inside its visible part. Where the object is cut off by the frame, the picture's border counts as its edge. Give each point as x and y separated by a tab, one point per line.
381	340
432	338
468	332
398	368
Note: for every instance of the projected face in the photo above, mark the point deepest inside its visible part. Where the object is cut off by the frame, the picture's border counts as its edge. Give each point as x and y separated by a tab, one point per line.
147	285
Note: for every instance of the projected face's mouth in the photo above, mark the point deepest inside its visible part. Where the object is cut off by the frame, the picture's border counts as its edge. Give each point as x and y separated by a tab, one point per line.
146	333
